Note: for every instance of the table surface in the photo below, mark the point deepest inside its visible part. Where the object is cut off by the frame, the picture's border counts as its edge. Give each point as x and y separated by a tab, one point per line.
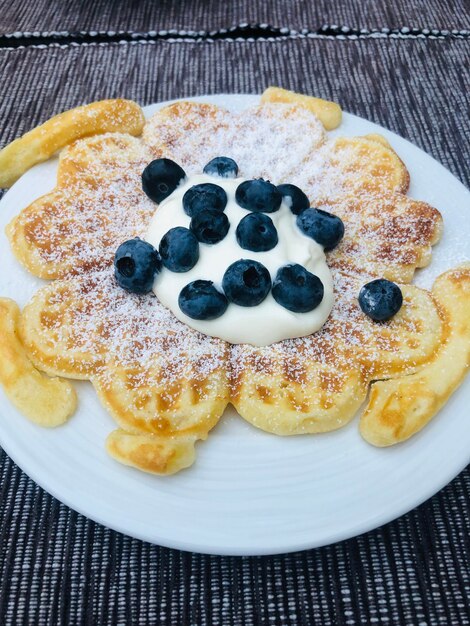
209	16
403	67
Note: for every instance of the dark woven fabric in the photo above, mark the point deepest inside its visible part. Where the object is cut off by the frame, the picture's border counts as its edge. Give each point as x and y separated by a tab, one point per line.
56	566
213	15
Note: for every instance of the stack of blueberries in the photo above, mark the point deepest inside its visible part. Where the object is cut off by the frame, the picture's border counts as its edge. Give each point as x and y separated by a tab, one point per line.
246	282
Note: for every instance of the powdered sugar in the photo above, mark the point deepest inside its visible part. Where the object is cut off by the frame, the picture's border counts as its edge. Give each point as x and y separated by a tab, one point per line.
124	331
81	226
348	341
268	141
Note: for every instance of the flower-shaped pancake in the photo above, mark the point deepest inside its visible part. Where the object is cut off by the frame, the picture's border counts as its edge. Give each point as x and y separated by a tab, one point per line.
166	384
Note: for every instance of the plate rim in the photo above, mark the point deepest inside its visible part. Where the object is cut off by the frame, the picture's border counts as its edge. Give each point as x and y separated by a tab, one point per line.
359	528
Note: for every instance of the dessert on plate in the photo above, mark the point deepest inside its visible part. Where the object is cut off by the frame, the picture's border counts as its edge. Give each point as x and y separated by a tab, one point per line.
206	257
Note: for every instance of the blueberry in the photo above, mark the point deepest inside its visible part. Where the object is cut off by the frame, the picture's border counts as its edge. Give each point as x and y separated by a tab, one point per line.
295	198
200	300
380	299
325	228
257	232
259	196
160	178
204	196
246	282
136	263
224	167
179	249
210	226
297	289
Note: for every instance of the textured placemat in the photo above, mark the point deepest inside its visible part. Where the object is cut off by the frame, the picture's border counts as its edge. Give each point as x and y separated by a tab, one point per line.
206	16
56	566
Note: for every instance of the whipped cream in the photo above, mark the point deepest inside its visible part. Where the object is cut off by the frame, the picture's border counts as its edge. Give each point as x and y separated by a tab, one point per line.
259	325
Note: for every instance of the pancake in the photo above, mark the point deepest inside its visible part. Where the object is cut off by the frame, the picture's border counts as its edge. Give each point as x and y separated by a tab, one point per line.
167	385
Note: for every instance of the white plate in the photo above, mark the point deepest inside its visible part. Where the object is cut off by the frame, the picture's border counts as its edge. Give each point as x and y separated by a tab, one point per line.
249	492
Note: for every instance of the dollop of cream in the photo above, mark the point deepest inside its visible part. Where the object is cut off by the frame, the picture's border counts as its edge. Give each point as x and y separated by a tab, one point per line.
259	325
